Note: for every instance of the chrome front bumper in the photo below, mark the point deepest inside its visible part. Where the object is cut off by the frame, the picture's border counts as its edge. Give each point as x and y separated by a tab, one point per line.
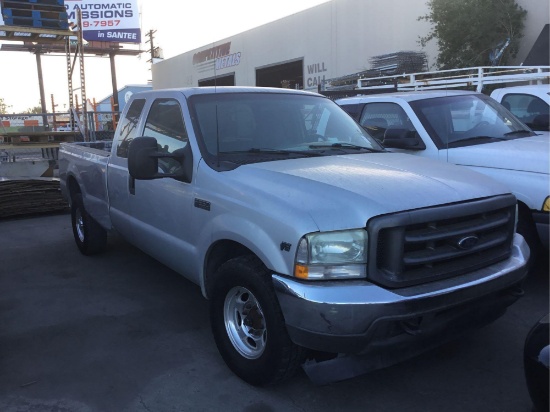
353	316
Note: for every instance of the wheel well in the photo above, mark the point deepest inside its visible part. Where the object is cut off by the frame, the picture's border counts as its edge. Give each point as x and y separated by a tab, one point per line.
524	213
219	253
523	208
73	186
528	229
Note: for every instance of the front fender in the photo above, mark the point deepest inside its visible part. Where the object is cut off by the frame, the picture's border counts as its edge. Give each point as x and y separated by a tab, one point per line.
528	187
264	240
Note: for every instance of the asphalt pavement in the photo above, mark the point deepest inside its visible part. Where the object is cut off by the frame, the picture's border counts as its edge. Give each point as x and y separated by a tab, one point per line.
121	332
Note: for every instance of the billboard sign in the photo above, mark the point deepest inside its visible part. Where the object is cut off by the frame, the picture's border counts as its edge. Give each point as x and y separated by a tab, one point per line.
104	20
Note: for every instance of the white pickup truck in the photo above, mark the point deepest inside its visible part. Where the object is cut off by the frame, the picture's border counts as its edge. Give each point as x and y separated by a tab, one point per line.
468	129
530	104
305	234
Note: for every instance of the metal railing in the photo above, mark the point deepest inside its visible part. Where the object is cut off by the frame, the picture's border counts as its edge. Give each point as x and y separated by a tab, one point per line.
57	127
455	78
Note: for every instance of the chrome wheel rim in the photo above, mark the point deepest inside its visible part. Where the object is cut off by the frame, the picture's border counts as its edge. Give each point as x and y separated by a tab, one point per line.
245	323
79	223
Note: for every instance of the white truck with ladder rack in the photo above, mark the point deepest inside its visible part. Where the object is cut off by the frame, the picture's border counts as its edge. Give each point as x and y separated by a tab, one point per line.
425	118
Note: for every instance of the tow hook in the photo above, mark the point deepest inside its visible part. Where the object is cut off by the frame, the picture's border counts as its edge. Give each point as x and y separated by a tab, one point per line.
412	326
517	291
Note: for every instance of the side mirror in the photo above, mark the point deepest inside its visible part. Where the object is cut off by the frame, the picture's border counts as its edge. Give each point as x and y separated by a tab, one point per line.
403	139
143	160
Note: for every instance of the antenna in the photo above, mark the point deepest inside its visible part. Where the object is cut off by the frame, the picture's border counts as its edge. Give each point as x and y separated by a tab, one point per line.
217	136
215	74
217	119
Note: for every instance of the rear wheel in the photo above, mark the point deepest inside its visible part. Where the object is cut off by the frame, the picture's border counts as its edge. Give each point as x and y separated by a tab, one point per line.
89	236
248	325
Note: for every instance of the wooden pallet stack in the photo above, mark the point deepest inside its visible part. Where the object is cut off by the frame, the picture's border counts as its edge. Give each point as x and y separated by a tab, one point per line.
45	14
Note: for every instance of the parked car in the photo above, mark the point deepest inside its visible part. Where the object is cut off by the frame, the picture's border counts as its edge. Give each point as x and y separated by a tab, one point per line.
468	129
66	128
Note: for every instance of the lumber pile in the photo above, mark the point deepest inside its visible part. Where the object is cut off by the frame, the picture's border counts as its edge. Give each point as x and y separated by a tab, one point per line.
30	196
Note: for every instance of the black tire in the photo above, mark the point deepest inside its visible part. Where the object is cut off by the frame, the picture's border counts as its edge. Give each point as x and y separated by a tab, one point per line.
248	325
89	236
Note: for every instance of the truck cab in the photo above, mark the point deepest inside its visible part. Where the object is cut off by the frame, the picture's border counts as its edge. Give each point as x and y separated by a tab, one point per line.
530	104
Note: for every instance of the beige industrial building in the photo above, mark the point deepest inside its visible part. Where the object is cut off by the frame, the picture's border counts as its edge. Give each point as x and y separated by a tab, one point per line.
330	40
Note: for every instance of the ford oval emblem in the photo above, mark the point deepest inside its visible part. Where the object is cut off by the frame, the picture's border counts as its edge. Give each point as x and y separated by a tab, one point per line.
468	242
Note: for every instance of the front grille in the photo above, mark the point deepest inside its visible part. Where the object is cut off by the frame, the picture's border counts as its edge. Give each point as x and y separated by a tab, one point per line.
425	245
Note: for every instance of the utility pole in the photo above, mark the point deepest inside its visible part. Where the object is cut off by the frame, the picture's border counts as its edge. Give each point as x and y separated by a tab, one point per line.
41	86
152	49
155	52
54	125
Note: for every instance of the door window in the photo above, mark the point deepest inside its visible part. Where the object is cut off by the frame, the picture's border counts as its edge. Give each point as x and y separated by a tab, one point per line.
128	126
526	107
165	123
378	117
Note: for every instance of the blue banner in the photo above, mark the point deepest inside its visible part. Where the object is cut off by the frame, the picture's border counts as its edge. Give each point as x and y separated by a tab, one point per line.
104	20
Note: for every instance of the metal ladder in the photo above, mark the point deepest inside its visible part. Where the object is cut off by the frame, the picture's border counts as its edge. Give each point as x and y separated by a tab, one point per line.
78	54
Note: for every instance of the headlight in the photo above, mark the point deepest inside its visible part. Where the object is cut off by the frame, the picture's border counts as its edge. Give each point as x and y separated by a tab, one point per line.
546	205
332	255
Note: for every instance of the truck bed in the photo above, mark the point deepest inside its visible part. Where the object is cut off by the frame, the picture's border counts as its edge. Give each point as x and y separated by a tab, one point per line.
88	161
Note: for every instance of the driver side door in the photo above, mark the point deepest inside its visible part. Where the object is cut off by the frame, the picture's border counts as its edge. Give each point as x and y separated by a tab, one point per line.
161	208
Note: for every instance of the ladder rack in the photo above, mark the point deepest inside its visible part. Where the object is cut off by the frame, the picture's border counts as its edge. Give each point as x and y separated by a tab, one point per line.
468	77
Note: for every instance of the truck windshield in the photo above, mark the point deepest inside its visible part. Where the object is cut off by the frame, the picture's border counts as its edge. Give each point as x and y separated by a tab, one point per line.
465	120
256	127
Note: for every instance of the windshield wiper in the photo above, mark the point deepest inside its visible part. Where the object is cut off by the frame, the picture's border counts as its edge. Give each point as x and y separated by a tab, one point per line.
478	138
522	131
343	146
255	150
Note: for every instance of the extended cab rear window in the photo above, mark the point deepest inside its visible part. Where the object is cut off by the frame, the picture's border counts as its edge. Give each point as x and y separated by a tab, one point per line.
128	126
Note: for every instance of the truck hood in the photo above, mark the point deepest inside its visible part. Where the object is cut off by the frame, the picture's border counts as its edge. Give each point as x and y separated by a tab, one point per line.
529	154
340	192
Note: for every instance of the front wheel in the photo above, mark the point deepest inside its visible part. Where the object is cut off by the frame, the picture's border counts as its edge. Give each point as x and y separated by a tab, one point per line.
248	325
89	236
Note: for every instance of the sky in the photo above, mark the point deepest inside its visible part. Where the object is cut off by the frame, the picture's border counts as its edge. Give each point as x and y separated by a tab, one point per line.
180	26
